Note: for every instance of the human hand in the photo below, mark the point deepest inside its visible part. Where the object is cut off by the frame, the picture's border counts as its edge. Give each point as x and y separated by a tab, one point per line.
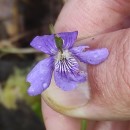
109	81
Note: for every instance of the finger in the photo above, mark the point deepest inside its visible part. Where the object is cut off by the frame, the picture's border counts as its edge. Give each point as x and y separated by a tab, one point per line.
91	17
96	18
54	120
109	81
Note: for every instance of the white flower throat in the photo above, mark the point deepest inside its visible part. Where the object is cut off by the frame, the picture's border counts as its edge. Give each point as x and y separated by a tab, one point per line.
65	62
65	55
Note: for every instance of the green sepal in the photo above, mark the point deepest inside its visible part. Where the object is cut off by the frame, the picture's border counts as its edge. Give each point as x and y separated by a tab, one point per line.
59	43
58	40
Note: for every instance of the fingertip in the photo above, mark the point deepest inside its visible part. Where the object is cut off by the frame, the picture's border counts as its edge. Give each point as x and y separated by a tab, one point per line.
57	121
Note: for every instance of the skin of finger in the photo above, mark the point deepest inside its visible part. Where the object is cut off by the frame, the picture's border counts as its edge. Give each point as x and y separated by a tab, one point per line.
109	81
57	121
92	17
108	125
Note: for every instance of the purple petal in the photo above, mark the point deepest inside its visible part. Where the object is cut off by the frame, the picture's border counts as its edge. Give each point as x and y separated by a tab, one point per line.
90	56
80	76
40	76
69	39
70	68
64	83
45	44
79	49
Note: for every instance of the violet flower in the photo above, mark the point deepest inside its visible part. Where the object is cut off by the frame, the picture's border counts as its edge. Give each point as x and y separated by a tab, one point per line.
63	61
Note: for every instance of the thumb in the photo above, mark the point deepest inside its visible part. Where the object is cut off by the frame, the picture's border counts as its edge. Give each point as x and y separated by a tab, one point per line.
89	17
109	83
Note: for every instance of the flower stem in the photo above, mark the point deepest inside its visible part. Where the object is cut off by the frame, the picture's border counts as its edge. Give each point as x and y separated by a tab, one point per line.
51	28
83	124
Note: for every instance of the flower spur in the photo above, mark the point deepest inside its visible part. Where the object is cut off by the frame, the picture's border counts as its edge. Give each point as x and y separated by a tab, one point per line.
63	60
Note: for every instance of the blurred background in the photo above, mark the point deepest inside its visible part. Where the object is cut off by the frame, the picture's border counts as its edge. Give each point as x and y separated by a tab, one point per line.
20	22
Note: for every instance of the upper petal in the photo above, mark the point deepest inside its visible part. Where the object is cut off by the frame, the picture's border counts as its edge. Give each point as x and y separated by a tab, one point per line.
40	76
94	57
45	44
69	39
63	82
